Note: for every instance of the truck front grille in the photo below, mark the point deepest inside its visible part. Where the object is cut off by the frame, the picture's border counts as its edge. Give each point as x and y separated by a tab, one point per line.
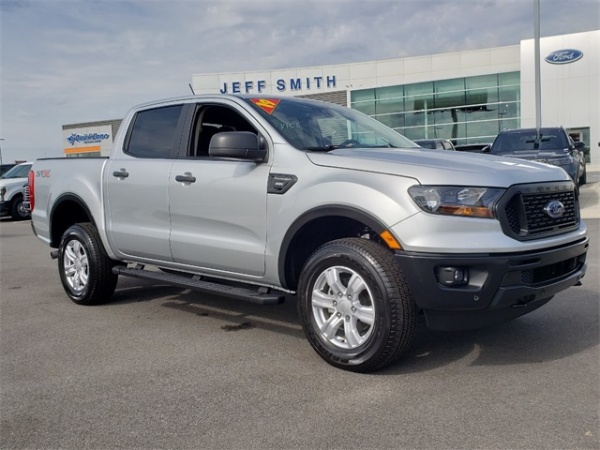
549	272
26	203
539	210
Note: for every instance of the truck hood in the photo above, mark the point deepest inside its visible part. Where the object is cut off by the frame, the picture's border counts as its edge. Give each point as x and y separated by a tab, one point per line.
439	167
6	182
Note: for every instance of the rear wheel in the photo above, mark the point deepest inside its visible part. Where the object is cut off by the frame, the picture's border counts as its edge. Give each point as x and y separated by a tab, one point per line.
85	268
356	309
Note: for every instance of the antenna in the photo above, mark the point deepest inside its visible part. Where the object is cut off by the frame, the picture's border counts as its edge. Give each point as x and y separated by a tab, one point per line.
191	88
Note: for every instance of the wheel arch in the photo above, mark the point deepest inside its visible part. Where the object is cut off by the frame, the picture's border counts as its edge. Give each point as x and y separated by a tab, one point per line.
16	196
67	210
316	227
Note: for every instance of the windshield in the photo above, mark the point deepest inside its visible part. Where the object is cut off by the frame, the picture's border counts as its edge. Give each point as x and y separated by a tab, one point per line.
320	126
19	171
527	142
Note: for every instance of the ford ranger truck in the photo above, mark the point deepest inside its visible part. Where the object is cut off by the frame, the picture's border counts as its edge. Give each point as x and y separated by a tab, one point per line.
260	198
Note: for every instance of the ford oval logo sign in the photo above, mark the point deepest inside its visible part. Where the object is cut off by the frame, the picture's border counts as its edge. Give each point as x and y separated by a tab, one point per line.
554	209
566	56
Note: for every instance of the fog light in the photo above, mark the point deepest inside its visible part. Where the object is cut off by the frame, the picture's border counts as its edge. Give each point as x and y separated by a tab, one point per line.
452	276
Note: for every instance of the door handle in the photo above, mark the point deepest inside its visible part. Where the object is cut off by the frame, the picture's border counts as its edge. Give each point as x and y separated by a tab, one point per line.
120	173
187	178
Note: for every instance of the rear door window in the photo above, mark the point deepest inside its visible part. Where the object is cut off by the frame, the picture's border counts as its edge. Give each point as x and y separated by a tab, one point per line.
154	133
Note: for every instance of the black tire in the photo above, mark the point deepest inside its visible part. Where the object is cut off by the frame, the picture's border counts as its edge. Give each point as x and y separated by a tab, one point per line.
370	287
583	177
84	267
17	212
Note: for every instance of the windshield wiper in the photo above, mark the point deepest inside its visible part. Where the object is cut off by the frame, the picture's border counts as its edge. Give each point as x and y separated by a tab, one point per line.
328	148
325	148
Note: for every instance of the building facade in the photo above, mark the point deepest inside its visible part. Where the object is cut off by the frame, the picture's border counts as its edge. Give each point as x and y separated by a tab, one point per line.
466	96
85	140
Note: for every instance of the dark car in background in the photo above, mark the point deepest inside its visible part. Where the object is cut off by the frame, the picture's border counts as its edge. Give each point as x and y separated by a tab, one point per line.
552	145
435	144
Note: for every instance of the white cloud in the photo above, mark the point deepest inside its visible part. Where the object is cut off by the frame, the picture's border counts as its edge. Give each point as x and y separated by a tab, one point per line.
68	61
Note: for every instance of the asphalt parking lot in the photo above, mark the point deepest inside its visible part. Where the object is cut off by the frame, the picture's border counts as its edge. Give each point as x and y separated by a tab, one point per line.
162	367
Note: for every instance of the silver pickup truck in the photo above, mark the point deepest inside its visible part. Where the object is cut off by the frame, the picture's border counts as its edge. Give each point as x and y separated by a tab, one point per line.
260	198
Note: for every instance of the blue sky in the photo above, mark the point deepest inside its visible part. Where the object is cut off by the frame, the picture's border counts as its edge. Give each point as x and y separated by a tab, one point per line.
70	61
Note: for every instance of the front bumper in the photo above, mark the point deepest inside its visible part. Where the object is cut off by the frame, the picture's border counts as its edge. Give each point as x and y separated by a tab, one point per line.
573	172
497	287
4	208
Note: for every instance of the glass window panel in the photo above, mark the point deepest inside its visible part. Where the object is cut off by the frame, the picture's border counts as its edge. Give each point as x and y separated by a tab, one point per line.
483	81
449	116
457	84
450	131
485	128
509	78
411	90
441	116
416	118
450	99
508	124
394	92
415	133
508	110
363	100
365	107
390	104
418	103
487	112
391	120
509	93
478	97
418	96
362	95
449	93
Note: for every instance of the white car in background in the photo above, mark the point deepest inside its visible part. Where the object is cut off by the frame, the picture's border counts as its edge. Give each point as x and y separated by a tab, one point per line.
11	192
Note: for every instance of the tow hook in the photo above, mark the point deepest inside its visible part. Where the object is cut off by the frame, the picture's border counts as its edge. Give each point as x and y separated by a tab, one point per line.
54	254
519	305
524	301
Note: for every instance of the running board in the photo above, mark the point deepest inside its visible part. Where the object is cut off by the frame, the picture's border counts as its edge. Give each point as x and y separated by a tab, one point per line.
256	294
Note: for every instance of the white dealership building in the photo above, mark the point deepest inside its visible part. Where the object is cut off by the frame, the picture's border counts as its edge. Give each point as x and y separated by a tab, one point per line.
466	96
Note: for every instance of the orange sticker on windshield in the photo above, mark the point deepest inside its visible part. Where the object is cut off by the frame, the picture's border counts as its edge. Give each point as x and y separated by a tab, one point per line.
267	105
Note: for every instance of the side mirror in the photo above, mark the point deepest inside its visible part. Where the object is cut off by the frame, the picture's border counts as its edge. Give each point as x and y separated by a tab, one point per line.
242	145
486	149
579	145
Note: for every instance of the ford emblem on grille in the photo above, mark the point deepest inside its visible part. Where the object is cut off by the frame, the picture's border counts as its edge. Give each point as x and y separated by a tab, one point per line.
554	209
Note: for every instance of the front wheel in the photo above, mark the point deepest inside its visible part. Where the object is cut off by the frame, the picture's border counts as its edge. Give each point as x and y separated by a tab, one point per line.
583	177
356	308
18	210
85	268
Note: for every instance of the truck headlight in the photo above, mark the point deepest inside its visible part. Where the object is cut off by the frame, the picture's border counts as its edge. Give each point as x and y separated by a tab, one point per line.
561	161
457	200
